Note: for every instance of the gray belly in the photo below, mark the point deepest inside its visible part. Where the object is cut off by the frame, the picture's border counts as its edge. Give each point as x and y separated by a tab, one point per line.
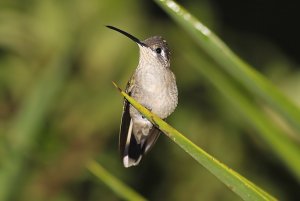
156	92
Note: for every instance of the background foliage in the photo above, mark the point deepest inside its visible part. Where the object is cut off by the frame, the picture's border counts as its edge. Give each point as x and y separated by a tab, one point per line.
58	108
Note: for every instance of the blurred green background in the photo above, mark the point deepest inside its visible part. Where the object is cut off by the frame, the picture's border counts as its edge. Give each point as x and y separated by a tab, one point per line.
58	107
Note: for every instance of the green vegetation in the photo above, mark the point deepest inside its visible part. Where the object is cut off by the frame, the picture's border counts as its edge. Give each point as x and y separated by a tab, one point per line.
59	112
237	183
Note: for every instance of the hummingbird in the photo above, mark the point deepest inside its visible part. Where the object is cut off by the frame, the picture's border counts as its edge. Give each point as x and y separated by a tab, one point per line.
152	84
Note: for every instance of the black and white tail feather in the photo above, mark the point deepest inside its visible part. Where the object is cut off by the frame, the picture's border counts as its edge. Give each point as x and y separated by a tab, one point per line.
131	151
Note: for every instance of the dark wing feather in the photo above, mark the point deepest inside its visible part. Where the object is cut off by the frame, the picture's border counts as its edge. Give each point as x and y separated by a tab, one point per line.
130	151
125	123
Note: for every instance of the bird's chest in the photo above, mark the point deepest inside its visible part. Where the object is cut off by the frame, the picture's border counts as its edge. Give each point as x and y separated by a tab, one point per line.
152	81
152	89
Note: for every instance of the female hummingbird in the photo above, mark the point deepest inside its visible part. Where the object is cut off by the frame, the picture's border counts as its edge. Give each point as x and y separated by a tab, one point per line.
153	85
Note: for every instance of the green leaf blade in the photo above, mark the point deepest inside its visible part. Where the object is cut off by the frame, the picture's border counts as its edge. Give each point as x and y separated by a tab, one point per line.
230	62
122	190
234	181
282	145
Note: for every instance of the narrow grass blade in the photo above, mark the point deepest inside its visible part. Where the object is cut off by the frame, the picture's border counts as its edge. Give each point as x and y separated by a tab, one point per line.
281	144
121	189
238	184
244	73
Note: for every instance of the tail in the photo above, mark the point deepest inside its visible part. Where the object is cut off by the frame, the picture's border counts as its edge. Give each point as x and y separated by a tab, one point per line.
133	152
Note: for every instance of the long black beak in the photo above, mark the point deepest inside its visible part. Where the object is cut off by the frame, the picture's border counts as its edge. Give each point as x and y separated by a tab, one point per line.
128	35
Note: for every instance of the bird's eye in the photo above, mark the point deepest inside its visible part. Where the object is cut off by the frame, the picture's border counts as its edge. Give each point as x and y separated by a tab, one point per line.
158	50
